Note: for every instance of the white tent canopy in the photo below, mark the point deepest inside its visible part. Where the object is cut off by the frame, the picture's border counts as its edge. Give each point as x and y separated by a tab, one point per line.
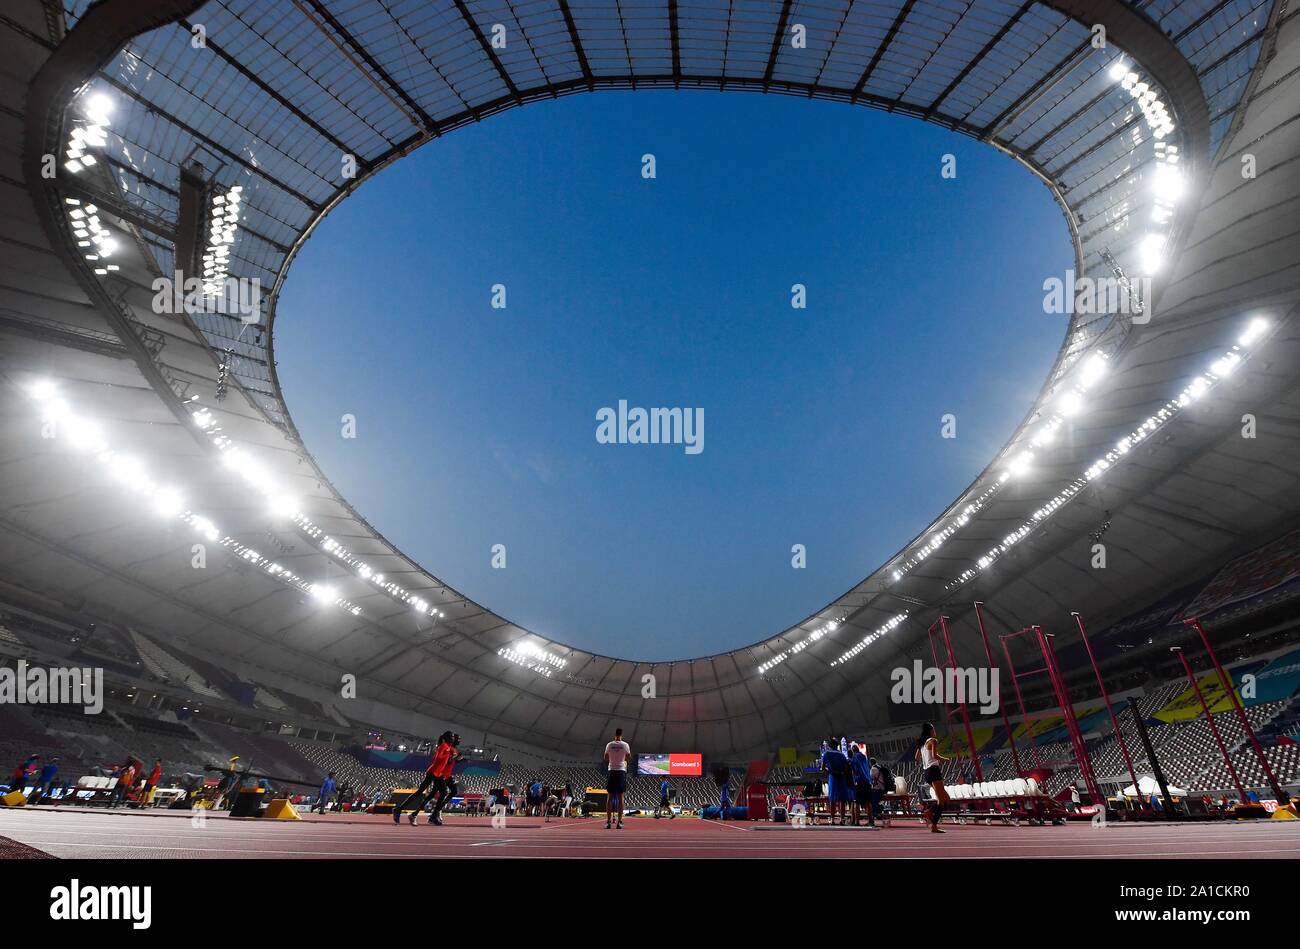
1149	787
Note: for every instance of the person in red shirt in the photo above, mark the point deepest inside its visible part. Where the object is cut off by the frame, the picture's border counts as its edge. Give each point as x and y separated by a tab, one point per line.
447	787
151	784
432	781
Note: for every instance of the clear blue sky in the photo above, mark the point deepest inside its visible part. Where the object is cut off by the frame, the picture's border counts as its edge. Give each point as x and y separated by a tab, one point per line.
822	426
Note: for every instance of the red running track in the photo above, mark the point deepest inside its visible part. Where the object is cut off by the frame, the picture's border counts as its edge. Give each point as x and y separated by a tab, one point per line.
86	833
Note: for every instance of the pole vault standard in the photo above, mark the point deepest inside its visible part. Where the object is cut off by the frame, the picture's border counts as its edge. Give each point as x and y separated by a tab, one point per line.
1226	681
1067	712
1020	699
1053	671
942	623
1110	710
988	654
1209	719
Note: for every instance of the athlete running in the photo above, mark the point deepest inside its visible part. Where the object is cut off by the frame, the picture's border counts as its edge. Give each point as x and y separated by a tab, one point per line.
432	781
447	787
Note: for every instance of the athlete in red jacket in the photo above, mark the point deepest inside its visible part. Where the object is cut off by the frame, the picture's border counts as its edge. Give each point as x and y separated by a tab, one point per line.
447	787
432	780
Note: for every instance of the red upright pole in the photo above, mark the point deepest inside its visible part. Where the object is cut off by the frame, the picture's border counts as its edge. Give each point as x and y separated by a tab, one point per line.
1006	722
1223	750
965	715
1226	681
1067	713
1105	696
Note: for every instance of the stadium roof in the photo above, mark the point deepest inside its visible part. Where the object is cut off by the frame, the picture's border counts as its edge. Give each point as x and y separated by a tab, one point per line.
1141	139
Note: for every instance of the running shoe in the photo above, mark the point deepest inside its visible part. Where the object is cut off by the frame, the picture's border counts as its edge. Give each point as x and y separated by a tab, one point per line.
414	815
608	825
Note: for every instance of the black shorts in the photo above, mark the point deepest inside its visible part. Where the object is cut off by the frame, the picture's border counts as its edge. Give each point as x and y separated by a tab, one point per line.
932	774
616	783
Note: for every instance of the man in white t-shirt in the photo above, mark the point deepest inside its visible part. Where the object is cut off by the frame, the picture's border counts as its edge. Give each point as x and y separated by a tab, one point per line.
617	752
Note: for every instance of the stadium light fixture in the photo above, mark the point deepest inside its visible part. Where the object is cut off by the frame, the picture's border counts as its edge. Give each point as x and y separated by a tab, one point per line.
817	634
1094	367
84	435
1020	464
99	107
332	546
128	471
1070	404
282	505
1167	183
324	593
1253	331
1151	253
42	390
886	627
167	502
222	225
532	656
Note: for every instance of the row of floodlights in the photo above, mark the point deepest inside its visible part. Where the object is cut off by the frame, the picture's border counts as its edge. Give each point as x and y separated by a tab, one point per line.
166	501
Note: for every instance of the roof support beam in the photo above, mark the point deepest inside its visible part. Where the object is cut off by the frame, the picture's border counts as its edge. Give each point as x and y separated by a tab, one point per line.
884	45
487	47
215	146
63	334
284	103
377	73
149	222
1037	90
675	33
167	189
777	37
978	58
574	40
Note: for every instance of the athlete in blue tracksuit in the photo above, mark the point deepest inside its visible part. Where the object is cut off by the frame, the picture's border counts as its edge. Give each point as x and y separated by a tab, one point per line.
665	803
327	789
724	799
45	783
860	767
839	781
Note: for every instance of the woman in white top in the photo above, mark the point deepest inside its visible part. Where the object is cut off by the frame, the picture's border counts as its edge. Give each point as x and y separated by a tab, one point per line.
927	753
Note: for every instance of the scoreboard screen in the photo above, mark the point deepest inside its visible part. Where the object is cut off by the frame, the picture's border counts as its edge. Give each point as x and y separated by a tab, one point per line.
670	766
